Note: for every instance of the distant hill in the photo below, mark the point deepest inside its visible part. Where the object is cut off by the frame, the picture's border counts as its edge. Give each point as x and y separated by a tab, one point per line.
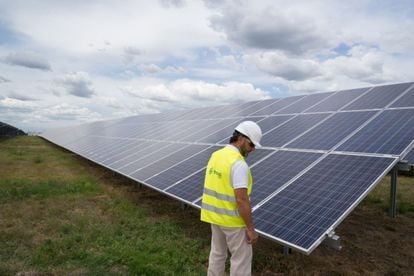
7	130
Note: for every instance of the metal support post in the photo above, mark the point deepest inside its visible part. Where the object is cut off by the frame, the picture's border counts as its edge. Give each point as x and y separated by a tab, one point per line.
184	206
393	193
287	250
332	240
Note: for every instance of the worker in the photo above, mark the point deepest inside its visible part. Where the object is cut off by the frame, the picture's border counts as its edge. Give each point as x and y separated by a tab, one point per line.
226	202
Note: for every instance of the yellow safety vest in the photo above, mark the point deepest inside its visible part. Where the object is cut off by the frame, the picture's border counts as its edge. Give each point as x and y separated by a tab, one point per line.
219	202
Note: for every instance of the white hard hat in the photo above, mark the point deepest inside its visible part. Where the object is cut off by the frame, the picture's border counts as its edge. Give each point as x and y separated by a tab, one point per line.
251	130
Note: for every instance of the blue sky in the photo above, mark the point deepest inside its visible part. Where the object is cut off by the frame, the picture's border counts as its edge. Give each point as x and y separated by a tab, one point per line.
68	62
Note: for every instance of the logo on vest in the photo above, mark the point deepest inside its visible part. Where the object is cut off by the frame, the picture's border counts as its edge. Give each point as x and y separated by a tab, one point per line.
213	171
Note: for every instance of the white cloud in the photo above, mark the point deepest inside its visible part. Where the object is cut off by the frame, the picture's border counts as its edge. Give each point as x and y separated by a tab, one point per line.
151	68
27	60
16	104
20	97
363	63
65	111
3	79
155	69
278	64
188	93
77	84
267	26
172	3
229	61
143	25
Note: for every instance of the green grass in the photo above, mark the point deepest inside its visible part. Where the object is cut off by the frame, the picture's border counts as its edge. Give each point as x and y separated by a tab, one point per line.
60	215
58	218
380	196
19	189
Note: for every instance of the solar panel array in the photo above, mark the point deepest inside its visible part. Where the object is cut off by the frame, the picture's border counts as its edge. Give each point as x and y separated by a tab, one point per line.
322	153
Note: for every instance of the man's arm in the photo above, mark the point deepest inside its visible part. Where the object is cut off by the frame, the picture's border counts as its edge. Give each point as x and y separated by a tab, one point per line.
245	211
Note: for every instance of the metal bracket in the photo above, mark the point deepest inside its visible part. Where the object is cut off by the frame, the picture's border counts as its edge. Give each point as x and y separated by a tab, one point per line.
404	166
184	206
392	212
287	250
334	241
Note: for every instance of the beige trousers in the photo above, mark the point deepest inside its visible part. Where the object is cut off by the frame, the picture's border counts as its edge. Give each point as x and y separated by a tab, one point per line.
233	239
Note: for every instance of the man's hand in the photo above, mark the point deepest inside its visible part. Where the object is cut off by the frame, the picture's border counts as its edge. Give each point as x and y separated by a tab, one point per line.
252	236
245	211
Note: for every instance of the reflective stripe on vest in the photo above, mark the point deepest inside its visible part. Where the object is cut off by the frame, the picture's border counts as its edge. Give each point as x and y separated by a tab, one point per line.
219	201
219	196
219	210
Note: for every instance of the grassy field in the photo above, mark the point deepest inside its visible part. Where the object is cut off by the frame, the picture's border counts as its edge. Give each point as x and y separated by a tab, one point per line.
61	214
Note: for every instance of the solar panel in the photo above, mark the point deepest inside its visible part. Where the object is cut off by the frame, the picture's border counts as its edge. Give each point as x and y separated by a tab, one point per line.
136	147
211	129
291	129
121	145
149	157
256	107
182	170
257	155
276	170
273	121
337	100
323	153
190	189
332	131
378	97
304	103
168	161
305	211
407	100
410	157
282	103
223	135
390	133
141	153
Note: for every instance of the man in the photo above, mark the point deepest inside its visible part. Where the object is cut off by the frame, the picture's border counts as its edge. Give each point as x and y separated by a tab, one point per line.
226	203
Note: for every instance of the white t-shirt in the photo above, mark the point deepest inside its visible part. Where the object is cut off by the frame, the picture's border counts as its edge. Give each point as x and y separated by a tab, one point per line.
239	172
